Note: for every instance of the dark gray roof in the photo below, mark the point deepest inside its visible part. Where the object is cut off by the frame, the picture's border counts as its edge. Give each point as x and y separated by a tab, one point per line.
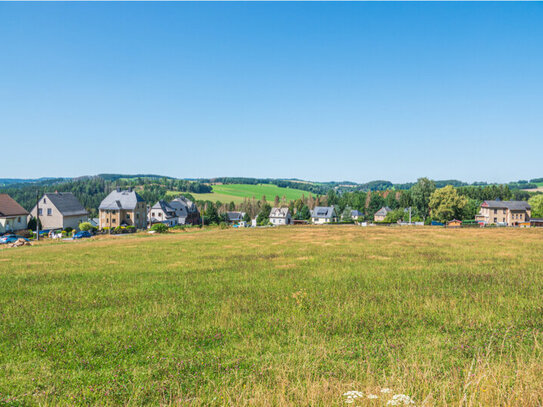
323	212
121	200
354	212
279	213
165	207
66	203
511	205
183	206
235	216
182	200
383	211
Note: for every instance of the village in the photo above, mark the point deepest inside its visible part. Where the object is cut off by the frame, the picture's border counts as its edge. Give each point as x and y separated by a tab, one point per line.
61	215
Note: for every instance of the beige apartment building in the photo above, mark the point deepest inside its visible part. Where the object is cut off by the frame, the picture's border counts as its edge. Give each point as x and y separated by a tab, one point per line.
510	213
123	208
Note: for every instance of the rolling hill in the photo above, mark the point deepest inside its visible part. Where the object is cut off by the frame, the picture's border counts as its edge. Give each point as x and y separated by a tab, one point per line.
237	192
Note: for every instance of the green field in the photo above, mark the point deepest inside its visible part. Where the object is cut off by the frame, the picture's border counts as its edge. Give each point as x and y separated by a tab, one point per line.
271	317
237	192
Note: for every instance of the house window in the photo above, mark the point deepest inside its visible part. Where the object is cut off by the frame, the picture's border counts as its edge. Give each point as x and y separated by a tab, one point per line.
44	200
152	214
137	215
49	211
495	211
19	219
495	220
112	220
127	216
40	211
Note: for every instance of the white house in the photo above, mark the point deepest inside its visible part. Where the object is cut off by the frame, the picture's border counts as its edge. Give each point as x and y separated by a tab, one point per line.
323	214
280	216
13	216
161	212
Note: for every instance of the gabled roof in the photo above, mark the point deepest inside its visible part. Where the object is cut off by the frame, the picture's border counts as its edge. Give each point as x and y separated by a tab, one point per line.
235	216
383	211
9	207
66	203
165	207
511	205
183	206
184	201
279	213
355	212
121	200
323	212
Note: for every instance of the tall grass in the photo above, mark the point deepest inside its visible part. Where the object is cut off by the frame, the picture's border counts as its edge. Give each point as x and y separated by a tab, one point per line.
288	316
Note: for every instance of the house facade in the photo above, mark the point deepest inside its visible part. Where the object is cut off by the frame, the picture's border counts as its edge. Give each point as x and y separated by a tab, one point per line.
123	208
186	211
323	214
510	213
161	212
280	216
13	217
60	210
381	214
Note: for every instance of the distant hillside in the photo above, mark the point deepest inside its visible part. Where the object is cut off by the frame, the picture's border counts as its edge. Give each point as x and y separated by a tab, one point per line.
12	181
238	192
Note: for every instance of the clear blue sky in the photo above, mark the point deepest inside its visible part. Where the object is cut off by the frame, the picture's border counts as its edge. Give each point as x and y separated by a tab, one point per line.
319	91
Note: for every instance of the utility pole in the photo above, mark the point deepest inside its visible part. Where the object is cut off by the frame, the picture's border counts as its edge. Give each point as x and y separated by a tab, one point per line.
38	215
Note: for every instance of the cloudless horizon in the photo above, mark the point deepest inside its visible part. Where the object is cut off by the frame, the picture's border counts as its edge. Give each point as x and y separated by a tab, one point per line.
316	91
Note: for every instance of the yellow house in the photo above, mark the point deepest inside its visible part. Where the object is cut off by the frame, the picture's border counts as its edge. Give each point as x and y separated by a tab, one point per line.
123	208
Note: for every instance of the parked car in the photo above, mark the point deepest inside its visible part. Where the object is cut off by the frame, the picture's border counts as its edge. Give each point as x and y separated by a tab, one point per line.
11	239
82	235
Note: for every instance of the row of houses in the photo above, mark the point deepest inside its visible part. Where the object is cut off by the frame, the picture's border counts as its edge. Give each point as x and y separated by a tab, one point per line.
62	210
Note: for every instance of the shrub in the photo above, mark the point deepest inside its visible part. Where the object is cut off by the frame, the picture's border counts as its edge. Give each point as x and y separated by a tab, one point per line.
68	230
223	225
130	229
159	228
118	230
86	226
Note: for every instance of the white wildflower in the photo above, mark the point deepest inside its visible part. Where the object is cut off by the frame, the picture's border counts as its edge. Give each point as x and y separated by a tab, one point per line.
373	396
386	390
353	394
400	399
349	400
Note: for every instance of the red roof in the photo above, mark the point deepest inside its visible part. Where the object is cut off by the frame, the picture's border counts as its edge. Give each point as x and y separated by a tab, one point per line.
8	206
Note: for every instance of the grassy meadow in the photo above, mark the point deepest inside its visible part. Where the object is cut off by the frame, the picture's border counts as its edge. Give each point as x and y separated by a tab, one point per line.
238	192
291	316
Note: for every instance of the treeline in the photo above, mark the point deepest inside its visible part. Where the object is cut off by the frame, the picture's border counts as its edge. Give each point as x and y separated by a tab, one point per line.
426	200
